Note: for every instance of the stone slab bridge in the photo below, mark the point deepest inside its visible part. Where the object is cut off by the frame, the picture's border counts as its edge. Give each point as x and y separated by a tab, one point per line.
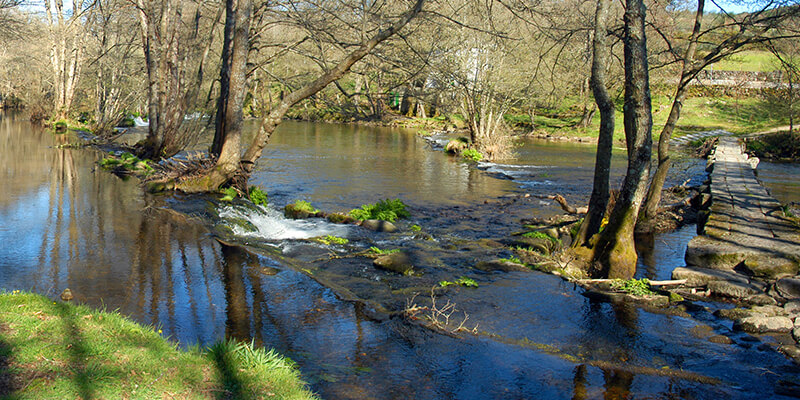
746	230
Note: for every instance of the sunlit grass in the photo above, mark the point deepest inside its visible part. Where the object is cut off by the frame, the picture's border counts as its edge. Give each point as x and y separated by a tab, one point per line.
55	350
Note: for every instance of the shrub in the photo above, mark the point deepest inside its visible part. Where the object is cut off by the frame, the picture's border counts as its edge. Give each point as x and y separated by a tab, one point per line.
636	287
386	210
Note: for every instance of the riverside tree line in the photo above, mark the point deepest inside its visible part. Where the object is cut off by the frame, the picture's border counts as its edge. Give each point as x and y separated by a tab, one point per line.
178	60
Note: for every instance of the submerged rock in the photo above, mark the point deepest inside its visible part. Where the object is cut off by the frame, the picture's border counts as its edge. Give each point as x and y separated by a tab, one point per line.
395	262
379	225
763	324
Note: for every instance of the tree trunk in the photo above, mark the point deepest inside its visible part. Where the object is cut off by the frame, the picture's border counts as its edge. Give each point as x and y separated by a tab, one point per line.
688	73
615	254
598	202
220	175
233	86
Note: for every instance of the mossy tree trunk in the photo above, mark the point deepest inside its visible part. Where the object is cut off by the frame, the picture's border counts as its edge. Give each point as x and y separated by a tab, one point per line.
598	202
614	253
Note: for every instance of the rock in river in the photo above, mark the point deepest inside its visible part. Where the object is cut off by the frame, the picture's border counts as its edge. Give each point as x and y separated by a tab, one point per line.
396	262
379	226
762	324
789	287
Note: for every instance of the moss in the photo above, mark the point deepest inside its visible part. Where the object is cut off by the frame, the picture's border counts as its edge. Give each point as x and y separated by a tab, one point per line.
385	210
300	209
258	196
340	218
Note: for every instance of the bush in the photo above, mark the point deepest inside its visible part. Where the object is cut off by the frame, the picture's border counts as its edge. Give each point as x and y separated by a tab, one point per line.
386	210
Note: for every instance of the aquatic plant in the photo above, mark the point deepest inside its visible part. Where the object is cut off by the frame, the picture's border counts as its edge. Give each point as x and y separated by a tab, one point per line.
125	162
463	281
415	228
335	240
302	205
258	196
229	194
472	155
386	210
375	250
636	287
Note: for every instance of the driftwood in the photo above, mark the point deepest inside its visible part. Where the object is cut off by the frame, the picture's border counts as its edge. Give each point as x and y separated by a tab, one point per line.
676	282
563	203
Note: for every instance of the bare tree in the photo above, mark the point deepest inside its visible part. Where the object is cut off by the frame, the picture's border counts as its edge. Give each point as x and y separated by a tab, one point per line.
728	35
233	168
67	52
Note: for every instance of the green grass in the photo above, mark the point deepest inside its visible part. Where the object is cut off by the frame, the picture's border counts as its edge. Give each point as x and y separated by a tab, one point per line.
637	287
750	60
386	210
472	155
462	281
512	259
55	350
541	235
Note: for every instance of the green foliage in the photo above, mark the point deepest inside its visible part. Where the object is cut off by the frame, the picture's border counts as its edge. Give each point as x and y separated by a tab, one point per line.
463	281
335	240
386	210
636	287
86	353
541	235
415	228
512	259
472	155
258	196
467	282
229	194
573	230
302	205
375	250
126	162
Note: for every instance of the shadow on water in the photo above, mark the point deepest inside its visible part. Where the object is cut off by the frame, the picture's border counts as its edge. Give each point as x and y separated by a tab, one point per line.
65	223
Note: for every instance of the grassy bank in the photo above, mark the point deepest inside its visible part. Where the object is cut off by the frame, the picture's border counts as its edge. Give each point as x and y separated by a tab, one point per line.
55	350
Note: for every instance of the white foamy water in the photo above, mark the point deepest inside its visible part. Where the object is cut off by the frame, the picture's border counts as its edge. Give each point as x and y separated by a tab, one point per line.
272	225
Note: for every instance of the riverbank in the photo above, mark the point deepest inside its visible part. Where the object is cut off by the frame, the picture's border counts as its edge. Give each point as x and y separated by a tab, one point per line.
51	350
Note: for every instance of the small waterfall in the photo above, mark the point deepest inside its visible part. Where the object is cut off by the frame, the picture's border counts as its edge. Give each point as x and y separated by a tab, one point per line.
270	224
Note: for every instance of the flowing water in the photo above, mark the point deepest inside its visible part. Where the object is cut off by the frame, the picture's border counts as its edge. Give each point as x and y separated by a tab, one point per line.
65	223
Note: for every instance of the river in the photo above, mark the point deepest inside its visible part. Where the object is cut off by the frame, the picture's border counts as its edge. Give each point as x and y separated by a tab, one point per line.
66	223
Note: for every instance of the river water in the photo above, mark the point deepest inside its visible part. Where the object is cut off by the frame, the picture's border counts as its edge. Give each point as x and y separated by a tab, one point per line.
65	223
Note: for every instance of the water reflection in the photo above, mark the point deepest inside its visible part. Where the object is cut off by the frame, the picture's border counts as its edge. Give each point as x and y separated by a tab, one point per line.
65	224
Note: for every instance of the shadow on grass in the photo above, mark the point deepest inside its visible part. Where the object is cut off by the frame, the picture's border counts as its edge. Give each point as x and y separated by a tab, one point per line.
8	381
78	352
232	386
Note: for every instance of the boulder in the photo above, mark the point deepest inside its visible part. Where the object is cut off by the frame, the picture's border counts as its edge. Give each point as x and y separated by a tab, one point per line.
788	287
379	226
395	262
737	290
340	218
733	313
796	333
792	308
697	276
720	339
761	300
763	324
770	311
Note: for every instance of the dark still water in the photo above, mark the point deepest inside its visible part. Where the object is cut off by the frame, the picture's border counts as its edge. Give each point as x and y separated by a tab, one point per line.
65	223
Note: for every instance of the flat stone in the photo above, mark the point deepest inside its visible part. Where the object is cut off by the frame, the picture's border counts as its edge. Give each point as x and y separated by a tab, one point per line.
733	313
698	276
770	311
395	262
738	290
761	300
379	226
788	287
760	324
792	308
